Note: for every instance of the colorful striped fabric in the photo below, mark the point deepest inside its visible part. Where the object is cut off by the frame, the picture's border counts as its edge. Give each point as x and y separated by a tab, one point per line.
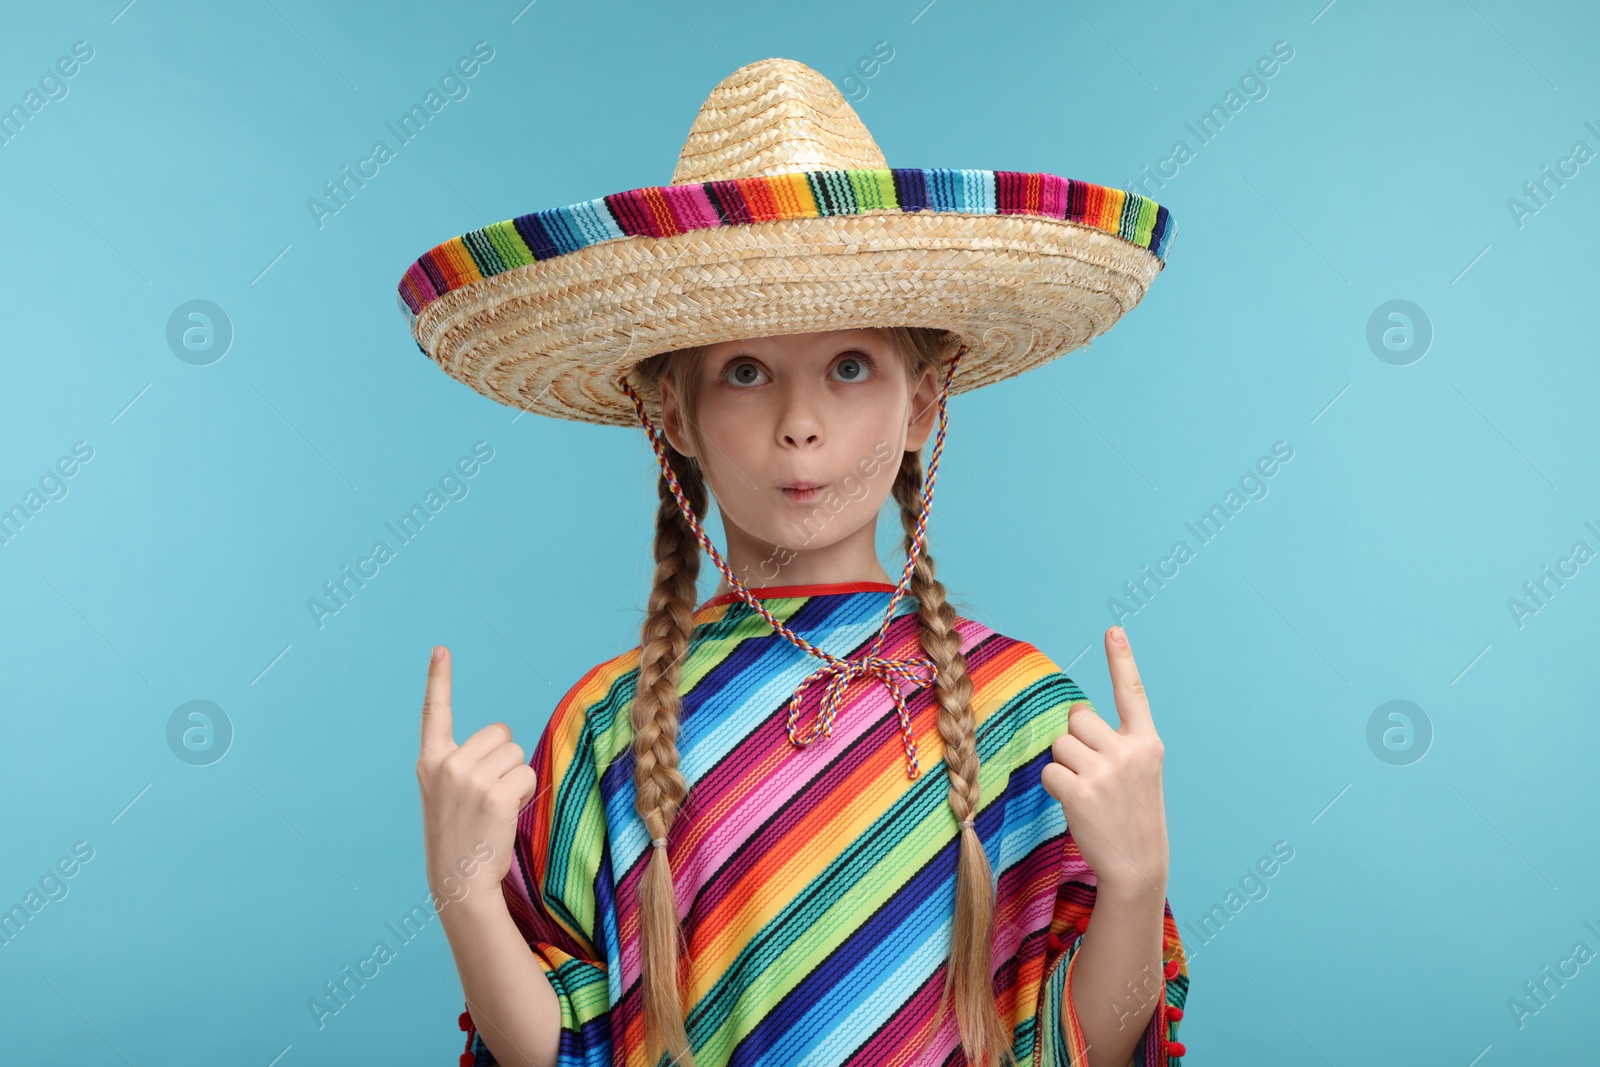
816	883
662	211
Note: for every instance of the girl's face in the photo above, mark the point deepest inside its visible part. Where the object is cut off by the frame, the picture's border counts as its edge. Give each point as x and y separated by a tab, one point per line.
801	437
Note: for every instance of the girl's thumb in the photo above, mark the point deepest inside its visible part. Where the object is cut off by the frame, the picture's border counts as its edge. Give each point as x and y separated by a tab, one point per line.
528	793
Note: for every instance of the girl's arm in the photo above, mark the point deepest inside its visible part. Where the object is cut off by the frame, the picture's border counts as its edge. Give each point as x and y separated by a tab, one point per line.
525	926
512	1003
1115	980
473	792
1109	784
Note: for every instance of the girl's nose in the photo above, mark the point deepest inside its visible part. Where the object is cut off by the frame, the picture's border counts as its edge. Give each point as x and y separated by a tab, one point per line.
799	425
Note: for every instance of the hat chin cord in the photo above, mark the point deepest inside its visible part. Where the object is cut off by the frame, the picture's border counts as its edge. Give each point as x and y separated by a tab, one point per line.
842	672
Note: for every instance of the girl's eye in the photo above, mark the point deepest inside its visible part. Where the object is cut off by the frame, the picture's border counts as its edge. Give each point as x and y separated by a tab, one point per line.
743	373
855	368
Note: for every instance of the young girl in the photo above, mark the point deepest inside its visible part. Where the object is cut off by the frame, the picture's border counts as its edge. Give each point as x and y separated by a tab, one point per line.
819	818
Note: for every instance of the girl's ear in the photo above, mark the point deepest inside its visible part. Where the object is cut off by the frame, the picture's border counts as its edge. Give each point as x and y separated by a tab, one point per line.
672	416
924	410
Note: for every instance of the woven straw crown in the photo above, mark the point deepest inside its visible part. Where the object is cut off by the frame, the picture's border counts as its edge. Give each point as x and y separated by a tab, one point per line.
774	117
782	216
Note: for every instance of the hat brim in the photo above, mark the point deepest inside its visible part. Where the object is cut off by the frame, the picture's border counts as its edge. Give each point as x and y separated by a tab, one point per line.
553	336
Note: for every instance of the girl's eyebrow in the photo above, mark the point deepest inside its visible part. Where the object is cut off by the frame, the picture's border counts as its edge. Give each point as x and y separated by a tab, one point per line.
841	350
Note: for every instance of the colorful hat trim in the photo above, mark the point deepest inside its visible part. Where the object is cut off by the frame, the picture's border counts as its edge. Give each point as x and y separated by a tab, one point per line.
662	211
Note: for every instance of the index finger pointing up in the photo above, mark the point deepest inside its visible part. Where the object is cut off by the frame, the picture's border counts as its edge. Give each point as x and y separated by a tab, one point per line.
436	725
1132	706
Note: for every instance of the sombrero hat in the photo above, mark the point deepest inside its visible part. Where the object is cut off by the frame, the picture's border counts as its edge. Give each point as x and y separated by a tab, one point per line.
782	217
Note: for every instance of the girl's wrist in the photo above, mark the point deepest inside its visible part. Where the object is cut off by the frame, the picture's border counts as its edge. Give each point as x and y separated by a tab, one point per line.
477	904
1136	888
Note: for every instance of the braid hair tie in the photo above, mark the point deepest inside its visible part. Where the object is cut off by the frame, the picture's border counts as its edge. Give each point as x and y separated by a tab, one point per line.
969	823
659	842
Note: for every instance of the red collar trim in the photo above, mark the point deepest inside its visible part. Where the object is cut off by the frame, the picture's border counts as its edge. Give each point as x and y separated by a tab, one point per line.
815	589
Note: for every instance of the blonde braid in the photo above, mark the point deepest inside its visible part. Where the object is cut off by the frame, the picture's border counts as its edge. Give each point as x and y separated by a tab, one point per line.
969	976
659	786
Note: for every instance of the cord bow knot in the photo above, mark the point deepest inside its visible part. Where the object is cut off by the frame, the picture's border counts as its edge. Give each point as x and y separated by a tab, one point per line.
845	671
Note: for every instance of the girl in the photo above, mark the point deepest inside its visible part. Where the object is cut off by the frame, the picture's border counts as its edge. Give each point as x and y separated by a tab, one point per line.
692	864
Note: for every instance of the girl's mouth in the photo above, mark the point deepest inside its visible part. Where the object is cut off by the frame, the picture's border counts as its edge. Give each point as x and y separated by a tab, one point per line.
802	492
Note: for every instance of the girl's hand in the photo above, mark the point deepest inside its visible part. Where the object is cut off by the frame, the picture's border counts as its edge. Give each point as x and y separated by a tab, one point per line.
471	795
1109	782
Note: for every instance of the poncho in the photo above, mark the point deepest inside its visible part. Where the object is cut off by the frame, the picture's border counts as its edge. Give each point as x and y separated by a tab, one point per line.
815	884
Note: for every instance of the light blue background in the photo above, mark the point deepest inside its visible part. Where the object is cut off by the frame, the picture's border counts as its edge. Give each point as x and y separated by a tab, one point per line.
1419	498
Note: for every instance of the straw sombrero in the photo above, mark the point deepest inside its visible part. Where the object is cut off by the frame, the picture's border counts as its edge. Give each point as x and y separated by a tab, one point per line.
782	217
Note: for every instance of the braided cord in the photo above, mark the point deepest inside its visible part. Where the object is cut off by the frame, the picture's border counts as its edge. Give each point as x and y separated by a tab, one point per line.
919	670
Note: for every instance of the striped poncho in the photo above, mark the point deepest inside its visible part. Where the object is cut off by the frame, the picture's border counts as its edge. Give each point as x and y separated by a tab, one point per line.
815	884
